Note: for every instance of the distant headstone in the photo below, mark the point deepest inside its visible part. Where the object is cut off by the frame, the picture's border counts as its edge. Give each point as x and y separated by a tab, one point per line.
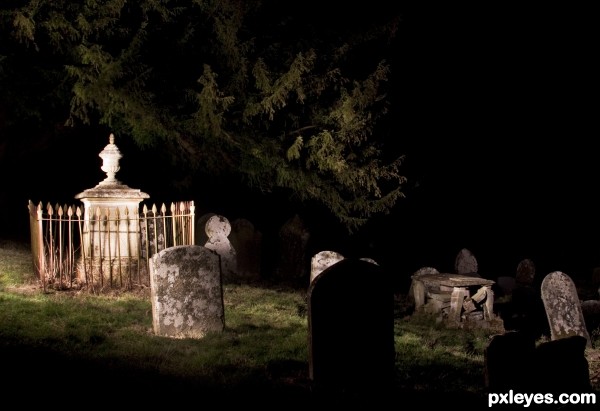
246	242
525	272
291	260
563	307
322	260
351	329
466	263
218	229
186	291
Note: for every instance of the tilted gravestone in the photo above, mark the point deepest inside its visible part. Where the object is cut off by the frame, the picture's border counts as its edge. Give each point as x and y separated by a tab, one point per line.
466	263
563	307
351	329
323	260
186	292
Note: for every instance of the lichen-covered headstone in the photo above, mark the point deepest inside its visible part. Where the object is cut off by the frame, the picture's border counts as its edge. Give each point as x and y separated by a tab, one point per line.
563	307
322	260
351	329
466	263
186	292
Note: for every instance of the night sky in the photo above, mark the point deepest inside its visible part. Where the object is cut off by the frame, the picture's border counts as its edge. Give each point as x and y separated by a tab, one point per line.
495	109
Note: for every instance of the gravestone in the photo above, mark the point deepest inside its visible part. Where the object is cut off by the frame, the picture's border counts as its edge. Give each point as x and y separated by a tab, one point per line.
247	243
514	362
351	329
218	230
322	260
466	263
507	360
561	366
186	291
525	272
291	260
563	307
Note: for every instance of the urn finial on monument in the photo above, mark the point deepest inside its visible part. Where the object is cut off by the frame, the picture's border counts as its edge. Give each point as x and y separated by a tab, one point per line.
110	162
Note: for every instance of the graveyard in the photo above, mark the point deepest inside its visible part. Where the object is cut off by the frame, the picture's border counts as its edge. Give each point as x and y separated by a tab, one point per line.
72	345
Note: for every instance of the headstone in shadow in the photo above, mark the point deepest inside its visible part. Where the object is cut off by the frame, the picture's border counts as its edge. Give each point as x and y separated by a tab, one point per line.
186	292
561	366
525	275
351	330
292	262
508	360
247	243
563	307
514	362
466	263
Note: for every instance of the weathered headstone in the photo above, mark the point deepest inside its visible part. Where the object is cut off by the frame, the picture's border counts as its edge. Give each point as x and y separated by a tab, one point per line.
247	242
218	230
186	291
525	272
466	263
322	260
351	329
563	307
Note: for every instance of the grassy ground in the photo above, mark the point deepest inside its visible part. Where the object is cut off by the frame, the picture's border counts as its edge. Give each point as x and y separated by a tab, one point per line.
83	349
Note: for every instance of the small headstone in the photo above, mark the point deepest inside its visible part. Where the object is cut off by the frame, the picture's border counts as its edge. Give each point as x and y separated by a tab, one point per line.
218	229
466	263
563	307
186	291
351	329
322	260
525	272
246	241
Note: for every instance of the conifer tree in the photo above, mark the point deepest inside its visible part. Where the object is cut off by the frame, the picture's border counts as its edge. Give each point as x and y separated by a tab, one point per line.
280	95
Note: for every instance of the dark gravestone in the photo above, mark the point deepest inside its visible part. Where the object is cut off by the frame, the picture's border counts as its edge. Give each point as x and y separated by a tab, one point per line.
561	366
351	330
508	359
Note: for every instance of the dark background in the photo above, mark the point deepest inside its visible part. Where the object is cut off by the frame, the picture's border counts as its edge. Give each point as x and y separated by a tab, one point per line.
495	108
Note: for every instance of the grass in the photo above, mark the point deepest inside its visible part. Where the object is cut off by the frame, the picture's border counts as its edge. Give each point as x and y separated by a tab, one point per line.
264	348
